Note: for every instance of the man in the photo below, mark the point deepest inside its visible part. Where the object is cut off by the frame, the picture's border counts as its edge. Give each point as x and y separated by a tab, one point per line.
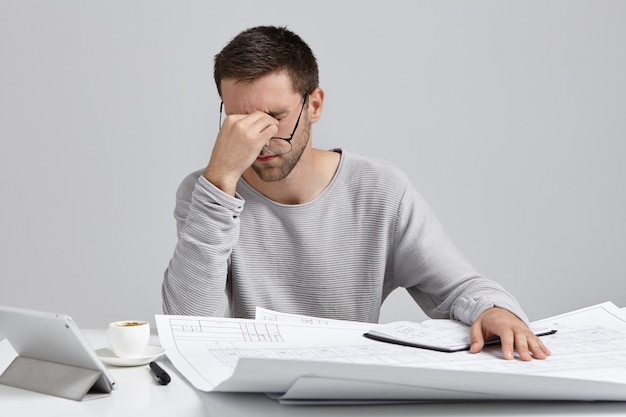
272	221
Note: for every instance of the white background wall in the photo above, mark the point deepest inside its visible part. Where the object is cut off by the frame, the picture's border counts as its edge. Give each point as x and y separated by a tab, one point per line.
509	116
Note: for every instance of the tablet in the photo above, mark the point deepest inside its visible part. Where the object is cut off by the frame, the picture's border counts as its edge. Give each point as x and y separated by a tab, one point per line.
52	337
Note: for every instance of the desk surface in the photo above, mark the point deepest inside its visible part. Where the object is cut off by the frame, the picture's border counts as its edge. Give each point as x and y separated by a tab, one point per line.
139	394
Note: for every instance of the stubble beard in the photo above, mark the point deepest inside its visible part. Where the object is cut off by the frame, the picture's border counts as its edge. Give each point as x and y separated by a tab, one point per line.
288	160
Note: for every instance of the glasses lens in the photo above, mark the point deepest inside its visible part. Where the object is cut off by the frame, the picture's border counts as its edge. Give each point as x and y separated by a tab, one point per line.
277	146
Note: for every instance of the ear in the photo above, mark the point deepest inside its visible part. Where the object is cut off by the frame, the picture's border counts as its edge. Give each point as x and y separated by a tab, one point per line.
316	102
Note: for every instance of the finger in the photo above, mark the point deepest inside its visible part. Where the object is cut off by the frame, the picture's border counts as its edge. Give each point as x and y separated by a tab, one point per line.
521	345
538	349
506	343
477	341
263	123
251	125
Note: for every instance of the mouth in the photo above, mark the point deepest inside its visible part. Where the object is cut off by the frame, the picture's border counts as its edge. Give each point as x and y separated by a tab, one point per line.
266	157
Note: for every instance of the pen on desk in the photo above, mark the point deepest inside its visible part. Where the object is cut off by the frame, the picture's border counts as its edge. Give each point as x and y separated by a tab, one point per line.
160	373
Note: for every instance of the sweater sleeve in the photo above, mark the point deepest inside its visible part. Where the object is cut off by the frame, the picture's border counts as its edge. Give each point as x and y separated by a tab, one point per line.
207	223
435	273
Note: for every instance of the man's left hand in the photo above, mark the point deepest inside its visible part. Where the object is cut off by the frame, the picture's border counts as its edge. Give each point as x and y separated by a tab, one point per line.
514	335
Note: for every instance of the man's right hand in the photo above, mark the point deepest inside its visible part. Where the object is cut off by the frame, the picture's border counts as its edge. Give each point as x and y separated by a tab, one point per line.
239	142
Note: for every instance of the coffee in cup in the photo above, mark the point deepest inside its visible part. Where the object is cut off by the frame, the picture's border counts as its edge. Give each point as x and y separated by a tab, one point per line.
128	338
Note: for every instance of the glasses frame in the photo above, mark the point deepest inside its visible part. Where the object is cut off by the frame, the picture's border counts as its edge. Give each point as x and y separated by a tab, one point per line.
293	132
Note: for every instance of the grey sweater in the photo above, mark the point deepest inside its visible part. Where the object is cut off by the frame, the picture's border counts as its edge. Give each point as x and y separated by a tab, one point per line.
338	256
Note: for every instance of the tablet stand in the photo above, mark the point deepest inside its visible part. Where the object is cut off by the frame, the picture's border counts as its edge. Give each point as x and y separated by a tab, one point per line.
50	378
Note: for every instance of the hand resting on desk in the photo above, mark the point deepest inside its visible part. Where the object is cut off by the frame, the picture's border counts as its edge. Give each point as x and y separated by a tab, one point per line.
514	335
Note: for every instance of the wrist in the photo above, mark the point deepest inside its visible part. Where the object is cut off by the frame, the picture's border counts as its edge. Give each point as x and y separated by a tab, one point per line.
224	183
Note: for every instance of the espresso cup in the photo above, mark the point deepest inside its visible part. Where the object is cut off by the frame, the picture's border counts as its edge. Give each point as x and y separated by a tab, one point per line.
128	338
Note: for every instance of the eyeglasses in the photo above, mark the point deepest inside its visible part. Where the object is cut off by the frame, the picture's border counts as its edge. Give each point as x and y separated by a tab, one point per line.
277	145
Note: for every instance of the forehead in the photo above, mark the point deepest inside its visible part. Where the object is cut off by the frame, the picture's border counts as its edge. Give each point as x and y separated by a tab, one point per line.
271	90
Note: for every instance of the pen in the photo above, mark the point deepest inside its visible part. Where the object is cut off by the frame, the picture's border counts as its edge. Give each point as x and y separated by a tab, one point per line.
160	373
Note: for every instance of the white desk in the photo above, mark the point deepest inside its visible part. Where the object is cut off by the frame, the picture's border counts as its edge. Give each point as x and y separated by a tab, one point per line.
138	394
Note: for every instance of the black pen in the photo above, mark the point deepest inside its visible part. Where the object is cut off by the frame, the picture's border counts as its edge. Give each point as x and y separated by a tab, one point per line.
160	373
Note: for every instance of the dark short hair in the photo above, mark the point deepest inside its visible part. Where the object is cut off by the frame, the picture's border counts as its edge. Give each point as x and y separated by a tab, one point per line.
261	50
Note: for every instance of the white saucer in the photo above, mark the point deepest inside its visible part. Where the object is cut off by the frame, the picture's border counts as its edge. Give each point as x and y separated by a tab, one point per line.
152	352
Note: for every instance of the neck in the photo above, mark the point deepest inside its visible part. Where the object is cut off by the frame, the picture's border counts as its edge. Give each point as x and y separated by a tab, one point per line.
311	175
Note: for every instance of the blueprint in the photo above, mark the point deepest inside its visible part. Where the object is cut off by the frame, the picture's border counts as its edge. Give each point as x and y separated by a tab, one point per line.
302	357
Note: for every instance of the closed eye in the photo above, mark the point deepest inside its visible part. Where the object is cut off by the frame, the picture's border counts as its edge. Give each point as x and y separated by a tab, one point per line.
277	115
